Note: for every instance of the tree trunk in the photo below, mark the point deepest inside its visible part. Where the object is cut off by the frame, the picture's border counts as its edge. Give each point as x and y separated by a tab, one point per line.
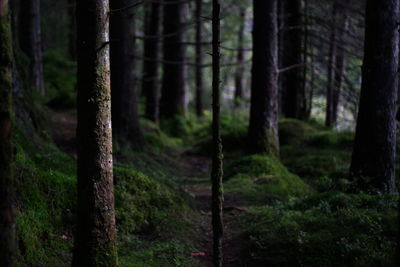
340	69
336	62
239	79
217	170
72	30
292	80
7	220
263	128
30	39
150	83
173	96
375	140
95	233
199	59
124	106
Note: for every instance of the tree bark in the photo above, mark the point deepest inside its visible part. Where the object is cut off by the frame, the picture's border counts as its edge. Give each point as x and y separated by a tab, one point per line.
173	98
199	59
7	220
292	80
150	83
375	140
30	39
263	128
239	77
72	30
95	233
124	106
217	170
336	62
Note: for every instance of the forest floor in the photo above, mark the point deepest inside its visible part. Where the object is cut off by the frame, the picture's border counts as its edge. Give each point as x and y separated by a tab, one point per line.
195	182
197	185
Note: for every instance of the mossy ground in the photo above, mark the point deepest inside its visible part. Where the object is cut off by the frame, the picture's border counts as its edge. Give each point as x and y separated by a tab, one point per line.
152	214
297	211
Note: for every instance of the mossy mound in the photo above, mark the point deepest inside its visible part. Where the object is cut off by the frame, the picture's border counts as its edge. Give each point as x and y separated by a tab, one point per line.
233	134
262	178
46	190
292	131
332	229
141	203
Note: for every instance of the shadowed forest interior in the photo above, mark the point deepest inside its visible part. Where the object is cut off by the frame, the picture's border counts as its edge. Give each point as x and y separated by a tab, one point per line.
154	133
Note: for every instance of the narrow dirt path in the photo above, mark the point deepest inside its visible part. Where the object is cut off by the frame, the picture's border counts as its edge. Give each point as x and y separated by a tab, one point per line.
196	171
195	181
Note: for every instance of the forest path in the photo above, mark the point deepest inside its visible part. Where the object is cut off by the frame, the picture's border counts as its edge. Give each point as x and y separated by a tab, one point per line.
195	172
196	182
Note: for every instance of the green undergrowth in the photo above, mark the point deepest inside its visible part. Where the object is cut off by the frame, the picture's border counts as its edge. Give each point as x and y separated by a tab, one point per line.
150	211
60	80
329	229
233	134
262	178
319	155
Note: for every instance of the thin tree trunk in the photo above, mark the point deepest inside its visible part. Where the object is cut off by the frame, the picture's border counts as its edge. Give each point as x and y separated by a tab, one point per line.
30	39
7	220
173	98
305	111
340	68
375	140
263	128
150	83
72	30
125	118
292	80
199	59
95	233
239	75
216	176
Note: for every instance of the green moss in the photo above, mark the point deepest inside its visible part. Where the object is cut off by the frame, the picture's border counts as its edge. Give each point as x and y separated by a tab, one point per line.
60	79
292	131
46	189
262	178
332	229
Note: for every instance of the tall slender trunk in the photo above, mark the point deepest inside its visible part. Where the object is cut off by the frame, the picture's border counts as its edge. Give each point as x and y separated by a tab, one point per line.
124	106
340	68
150	83
239	77
7	220
306	106
292	80
199	59
72	30
173	92
95	232
375	140
263	128
216	176
30	39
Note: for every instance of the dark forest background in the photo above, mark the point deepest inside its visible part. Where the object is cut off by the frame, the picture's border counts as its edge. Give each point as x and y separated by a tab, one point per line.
308	93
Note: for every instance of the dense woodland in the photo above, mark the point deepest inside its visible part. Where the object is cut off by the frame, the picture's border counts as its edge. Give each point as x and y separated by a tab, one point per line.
199	133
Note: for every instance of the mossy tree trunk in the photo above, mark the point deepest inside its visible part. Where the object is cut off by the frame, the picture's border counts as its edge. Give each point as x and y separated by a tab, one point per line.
95	232
199	58
30	38
263	128
292	80
125	118
150	83
374	148
173	93
240	69
7	221
336	61
217	171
